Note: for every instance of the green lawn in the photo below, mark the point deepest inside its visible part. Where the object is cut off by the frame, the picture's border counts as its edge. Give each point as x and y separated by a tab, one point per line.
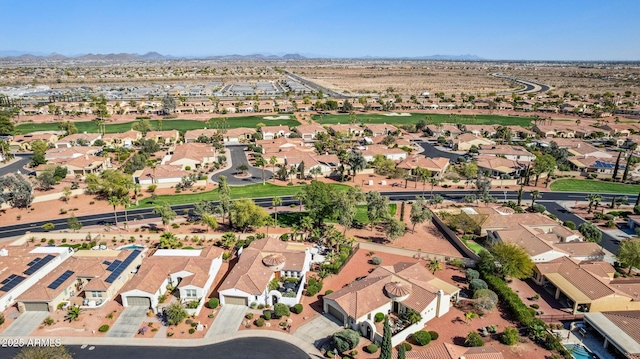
180	125
576	185
432	118
249	191
474	246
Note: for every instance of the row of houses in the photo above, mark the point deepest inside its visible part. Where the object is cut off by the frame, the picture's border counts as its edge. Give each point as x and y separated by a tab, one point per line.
51	278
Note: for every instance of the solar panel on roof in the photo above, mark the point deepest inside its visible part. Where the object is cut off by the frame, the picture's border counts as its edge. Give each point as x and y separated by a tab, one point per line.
36	260
117	271
61	279
114	265
9	279
39	264
106	263
15	280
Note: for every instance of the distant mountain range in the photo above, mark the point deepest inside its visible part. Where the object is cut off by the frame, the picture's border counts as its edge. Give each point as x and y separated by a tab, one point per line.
154	56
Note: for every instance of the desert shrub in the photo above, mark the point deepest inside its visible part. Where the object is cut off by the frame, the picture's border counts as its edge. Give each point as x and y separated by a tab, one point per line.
259	322
281	310
103	328
213	303
346	340
313	287
535	306
485	299
266	315
407	346
47	321
539	208
329	291
378	317
434	335
371	348
297	309
510	336
471	274
456	262
477	284
249	316
192	330
473	339
569	224
376	260
422	338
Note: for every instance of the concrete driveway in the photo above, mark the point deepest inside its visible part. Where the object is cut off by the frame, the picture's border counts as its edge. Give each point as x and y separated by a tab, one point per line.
127	325
318	330
228	320
26	323
239	157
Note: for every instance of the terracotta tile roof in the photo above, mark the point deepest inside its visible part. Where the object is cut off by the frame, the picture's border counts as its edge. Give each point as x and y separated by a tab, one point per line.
194	151
275	129
71	152
308	129
240	131
505	150
497	163
194	134
580	249
588	278
164	171
132	134
532	244
627	321
251	275
163	134
495	220
435	164
77	136
381	149
451	351
381	128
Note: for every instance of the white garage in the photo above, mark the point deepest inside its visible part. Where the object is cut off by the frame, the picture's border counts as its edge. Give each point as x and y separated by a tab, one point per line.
235	300
138	301
36	306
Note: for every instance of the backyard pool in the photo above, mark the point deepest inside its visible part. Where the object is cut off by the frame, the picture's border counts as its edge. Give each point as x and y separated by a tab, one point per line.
131	247
580	352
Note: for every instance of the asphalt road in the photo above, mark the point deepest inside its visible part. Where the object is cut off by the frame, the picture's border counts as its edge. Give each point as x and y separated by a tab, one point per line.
239	157
243	348
530	86
315	86
17	165
431	151
549	199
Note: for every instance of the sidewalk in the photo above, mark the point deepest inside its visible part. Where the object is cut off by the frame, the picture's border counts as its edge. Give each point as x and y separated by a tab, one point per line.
165	342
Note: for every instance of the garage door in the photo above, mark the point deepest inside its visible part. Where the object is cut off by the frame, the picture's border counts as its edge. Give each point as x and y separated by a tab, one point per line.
36	307
336	313
235	300
139	302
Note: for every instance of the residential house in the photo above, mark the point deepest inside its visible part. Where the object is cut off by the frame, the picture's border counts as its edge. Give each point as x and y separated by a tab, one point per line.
166	137
79	166
465	141
618	331
25	266
596	165
238	135
521	132
509	152
501	218
193	135
377	129
262	262
587	286
481	130
191	272
124	139
436	165
394	154
23	142
309	132
87	279
192	155
393	290
271	132
78	139
498	167
353	130
160	174
554	131
277	145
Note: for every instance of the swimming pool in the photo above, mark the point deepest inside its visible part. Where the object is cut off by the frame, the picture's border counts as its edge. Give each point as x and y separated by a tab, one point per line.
580	352
131	247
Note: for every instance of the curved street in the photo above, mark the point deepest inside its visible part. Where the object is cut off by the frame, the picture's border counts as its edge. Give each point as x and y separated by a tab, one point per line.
239	157
529	86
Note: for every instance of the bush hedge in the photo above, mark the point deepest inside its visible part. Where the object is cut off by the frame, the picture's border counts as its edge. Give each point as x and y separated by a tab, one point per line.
378	317
297	309
313	287
371	348
267	314
434	335
213	303
477	284
421	338
259	322
103	328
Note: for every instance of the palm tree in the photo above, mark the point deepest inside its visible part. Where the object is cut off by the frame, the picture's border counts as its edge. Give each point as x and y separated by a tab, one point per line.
125	201
434	266
593	198
273	161
114	201
534	195
306	224
276	202
315	171
261	162
293	170
434	181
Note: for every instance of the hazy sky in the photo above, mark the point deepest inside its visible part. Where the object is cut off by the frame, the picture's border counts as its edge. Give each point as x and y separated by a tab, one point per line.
492	29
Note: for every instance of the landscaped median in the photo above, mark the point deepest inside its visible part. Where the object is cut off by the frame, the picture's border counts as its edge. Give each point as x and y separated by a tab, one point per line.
593	186
249	191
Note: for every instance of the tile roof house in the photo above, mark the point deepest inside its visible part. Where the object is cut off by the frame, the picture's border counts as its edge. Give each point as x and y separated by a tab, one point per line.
378	129
391	289
394	154
619	331
23	142
554	131
437	165
452	351
465	141
161	174
164	137
596	165
587	286
514	153
193	155
25	266
271	132
87	279
238	135
123	139
79	166
309	132
497	167
260	263
481	130
193	135
191	271
77	138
